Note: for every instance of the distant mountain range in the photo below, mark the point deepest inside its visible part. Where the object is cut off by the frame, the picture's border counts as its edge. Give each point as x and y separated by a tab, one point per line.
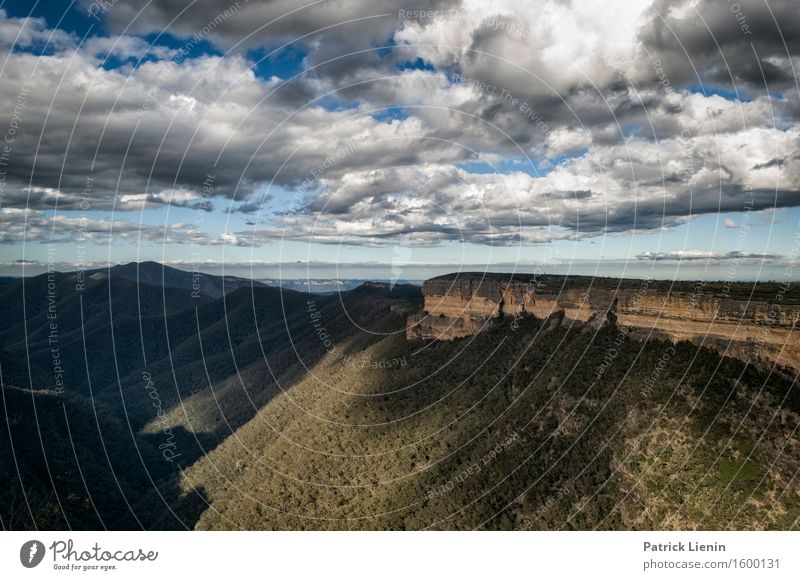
155	274
134	399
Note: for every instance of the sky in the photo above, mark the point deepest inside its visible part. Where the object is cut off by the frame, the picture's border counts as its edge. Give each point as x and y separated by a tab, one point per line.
375	139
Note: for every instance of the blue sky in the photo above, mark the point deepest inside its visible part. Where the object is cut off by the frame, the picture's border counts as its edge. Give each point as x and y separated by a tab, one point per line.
373	158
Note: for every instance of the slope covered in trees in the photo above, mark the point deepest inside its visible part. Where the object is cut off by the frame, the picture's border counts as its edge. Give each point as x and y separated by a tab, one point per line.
531	425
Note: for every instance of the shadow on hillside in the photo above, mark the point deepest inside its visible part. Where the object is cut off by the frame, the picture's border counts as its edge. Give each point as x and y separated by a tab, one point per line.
243	382
66	465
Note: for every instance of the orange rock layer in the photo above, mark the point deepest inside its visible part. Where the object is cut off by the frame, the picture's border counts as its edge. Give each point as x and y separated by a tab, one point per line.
763	330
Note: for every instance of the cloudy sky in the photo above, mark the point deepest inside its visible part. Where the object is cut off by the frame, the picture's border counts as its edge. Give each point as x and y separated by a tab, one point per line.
381	139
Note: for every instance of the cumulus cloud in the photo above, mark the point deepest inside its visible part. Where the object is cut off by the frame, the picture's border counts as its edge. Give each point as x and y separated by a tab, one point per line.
581	121
658	185
32	226
151	133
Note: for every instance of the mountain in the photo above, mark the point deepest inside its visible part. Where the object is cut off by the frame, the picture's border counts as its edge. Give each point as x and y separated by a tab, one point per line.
266	408
195	282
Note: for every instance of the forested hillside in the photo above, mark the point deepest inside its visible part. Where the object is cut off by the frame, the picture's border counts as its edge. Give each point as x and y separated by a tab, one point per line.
531	425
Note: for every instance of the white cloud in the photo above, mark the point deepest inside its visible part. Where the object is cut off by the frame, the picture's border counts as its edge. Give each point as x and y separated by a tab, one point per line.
704	255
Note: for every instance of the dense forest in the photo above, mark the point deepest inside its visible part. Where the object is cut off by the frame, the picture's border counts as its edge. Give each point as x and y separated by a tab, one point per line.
539	425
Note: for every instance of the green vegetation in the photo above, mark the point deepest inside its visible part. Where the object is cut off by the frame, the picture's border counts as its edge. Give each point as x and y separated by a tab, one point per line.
412	447
753	291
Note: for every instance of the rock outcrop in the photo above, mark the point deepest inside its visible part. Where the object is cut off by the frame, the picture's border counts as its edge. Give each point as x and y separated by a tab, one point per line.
745	320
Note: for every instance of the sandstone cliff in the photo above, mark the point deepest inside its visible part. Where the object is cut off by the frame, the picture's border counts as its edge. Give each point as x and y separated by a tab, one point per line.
749	321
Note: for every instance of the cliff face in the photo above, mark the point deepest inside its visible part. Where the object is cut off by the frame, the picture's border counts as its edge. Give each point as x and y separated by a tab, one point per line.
739	320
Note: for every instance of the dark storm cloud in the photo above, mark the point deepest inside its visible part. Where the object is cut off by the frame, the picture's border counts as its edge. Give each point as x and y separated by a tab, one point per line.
744	41
345	25
250	207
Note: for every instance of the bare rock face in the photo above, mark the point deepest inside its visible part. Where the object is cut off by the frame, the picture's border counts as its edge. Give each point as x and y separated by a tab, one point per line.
747	321
426	326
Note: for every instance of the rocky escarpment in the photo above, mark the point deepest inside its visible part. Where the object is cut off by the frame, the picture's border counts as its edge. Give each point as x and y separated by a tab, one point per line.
745	320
